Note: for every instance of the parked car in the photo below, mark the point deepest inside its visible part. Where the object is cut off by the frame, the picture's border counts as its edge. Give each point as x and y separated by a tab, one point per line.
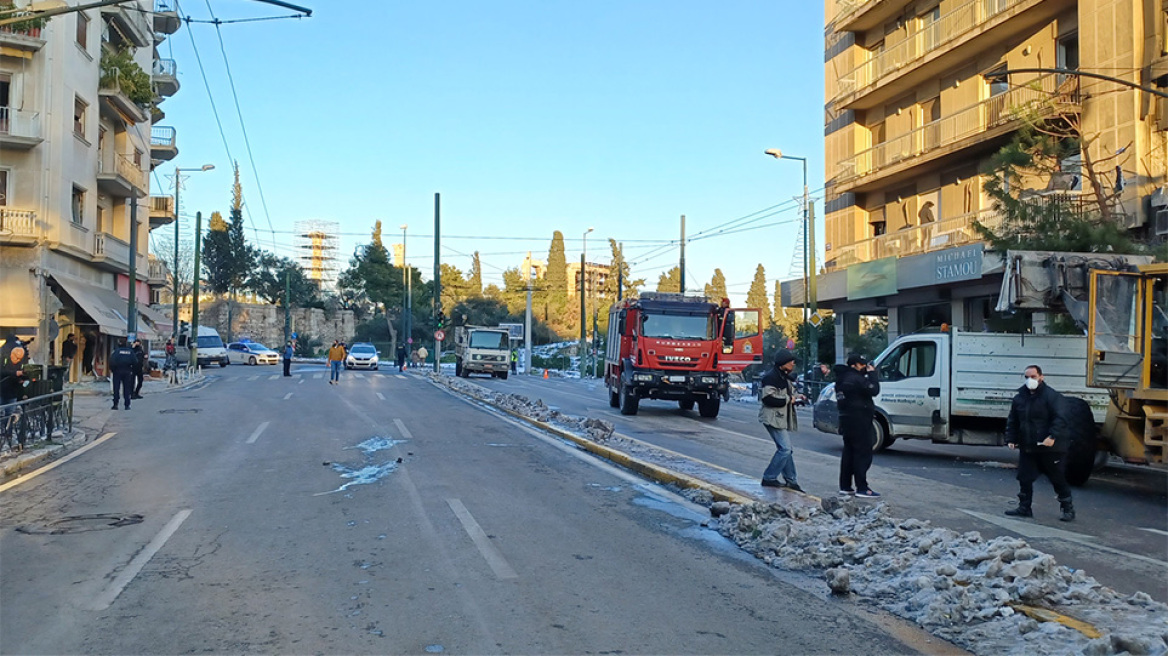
251	353
362	355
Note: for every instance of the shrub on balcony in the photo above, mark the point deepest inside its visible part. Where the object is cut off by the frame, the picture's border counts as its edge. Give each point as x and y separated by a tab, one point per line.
32	25
120	71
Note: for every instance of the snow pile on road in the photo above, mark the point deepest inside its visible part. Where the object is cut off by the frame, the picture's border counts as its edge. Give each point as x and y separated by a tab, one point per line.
959	586
597	430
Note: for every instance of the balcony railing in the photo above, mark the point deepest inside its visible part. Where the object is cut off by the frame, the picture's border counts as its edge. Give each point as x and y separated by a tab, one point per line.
1045	95
165	77
20	124
162	205
125	168
948	28
110	248
158	273
926	238
17	224
162	136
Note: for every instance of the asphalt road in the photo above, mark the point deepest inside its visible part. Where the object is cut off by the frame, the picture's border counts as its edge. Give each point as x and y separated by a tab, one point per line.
243	517
1120	536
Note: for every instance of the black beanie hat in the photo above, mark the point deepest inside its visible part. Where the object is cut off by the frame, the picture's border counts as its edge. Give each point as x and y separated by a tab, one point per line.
783	357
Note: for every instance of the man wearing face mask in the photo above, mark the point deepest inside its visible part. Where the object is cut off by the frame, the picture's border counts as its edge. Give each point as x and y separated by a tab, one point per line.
857	383
777	414
1037	429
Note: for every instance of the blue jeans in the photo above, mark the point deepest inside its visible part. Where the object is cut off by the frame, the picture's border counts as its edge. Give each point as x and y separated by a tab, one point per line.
783	462
335	370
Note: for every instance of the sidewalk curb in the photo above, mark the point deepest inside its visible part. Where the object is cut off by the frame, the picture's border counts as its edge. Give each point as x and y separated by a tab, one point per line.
34	458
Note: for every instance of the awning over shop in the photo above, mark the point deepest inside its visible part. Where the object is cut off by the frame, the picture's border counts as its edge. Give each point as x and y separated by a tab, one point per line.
104	305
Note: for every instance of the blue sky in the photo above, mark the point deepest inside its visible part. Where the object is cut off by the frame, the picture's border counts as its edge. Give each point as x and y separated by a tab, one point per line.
528	117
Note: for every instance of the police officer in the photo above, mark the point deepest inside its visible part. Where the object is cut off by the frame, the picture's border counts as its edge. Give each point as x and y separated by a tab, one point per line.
122	371
139	368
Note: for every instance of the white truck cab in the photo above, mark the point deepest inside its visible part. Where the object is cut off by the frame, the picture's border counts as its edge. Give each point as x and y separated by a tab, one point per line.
210	347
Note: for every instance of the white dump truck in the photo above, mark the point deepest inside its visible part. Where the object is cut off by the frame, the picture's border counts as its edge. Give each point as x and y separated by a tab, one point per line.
482	350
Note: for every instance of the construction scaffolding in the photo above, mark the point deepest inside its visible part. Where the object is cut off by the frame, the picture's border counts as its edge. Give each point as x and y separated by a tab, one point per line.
316	245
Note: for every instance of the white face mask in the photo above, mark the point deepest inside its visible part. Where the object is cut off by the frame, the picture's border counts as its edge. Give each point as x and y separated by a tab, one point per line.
1032	383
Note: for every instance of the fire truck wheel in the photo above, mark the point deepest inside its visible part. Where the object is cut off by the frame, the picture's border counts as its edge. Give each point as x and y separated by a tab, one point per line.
686	404
629	403
709	408
613	398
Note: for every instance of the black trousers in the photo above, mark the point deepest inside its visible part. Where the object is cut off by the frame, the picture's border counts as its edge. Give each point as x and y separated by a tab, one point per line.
287	366
857	456
1033	463
123	387
139	376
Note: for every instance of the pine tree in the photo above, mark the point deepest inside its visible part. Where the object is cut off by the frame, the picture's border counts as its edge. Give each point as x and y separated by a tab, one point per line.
670	281
243	257
716	290
217	255
757	296
619	273
556	295
787	319
454	286
474	279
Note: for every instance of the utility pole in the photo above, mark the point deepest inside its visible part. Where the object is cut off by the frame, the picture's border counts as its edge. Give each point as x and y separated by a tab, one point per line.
583	319
527	321
405	294
287	306
682	264
194	341
811	282
174	271
131	310
437	281
620	274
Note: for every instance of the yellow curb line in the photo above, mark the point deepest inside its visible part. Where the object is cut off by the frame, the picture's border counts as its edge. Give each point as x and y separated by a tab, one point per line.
1047	615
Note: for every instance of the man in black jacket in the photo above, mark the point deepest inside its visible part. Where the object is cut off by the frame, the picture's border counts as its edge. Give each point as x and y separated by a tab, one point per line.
855	386
121	365
777	413
1037	429
139	368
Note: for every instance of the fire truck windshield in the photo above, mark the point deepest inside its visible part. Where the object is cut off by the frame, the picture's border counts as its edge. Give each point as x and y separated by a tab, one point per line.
678	326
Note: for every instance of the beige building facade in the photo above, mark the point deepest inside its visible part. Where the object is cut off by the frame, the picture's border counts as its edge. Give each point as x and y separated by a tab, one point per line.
79	95
913	112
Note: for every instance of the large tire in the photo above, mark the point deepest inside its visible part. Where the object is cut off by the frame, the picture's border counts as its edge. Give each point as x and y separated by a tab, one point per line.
1083	454
685	404
613	398
881	440
629	403
709	408
503	375
223	364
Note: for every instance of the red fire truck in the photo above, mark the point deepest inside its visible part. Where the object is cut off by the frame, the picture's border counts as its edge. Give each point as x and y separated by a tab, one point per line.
677	348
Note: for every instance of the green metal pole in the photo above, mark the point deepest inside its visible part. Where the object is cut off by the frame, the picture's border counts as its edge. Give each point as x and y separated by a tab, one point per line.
287	306
194	339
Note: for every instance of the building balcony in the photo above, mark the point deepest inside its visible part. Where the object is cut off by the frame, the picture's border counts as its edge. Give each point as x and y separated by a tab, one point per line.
116	104
19	129
941	46
18	227
926	238
161	211
165	77
861	15
127	20
28	40
974	126
157	273
166	18
111	252
162	146
118	176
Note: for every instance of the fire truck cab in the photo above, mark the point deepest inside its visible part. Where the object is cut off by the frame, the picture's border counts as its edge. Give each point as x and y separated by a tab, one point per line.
677	348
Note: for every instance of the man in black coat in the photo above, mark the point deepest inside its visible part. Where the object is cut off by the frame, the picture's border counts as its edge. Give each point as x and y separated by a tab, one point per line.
855	386
1038	430
139	368
121	365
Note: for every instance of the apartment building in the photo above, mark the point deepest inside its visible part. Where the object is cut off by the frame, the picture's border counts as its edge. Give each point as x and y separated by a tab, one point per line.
79	97
911	117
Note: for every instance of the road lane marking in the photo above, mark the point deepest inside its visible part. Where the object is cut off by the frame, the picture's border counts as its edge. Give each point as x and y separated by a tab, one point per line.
479	537
318	376
300	382
1154	530
288	396
401	376
254	378
402	428
381	396
274	377
256	435
1029	530
56	463
358	375
107	598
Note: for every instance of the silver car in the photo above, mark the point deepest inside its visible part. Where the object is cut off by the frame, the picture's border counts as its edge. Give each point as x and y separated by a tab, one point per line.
362	355
251	353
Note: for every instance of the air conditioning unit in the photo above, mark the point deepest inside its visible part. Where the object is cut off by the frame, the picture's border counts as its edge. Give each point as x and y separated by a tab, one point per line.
1160	222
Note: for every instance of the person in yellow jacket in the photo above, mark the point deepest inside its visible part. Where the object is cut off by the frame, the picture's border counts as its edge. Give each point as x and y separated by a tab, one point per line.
336	357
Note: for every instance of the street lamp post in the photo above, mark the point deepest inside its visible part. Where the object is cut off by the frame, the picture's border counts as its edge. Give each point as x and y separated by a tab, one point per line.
405	294
583	306
177	213
811	345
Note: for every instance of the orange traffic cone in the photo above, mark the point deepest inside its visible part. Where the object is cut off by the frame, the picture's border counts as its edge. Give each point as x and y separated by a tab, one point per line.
545	374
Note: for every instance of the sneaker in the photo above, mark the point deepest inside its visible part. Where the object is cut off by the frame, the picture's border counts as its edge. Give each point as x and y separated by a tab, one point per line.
868	494
846	493
793	486
766	482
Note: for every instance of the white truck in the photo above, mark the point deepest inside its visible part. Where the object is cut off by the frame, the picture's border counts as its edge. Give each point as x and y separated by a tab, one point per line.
210	347
482	350
956	387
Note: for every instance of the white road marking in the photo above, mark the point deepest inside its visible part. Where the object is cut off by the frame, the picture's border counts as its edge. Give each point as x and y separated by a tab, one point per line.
256	435
56	463
288	396
107	597
401	427
254	378
358	375
318	376
1030	530
274	377
381	396
495	559
300	382
401	376
1154	530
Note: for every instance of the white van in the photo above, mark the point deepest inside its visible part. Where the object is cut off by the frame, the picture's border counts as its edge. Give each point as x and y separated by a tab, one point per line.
211	347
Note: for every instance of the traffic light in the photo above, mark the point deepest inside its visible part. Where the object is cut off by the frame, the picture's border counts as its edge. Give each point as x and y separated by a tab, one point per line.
440	319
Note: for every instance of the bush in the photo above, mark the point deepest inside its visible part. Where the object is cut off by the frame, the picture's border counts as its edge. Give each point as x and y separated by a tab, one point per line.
307	346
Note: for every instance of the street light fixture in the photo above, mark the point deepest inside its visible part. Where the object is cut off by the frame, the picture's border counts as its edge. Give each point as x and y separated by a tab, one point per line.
811	346
583	307
177	213
406	282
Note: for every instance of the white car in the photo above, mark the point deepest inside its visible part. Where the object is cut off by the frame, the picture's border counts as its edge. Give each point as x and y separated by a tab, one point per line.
362	356
251	353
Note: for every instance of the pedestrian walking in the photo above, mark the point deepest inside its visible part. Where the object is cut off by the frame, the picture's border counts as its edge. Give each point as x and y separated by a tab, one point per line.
422	354
856	385
776	412
121	364
171	357
336	356
1037	428
87	353
69	352
400	356
288	353
139	368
